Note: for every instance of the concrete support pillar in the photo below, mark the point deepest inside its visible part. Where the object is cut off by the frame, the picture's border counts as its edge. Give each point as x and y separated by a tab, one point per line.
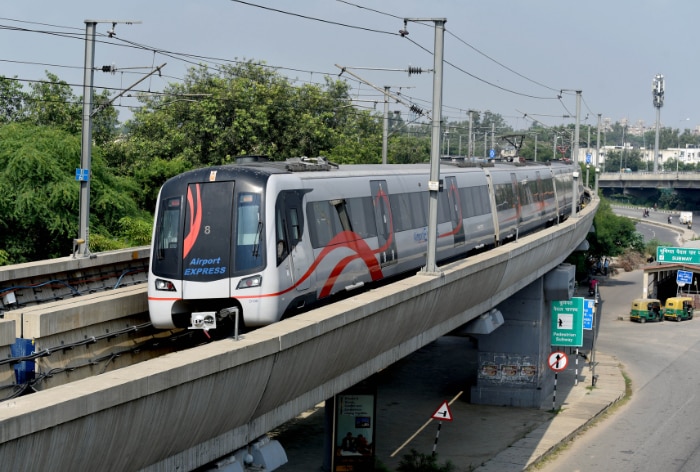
512	359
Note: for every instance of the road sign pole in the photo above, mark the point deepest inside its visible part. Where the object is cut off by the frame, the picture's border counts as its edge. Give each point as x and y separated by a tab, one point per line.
554	395
437	436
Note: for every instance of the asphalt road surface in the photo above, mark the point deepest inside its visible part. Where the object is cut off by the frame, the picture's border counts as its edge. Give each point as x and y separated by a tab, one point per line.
655	226
659	428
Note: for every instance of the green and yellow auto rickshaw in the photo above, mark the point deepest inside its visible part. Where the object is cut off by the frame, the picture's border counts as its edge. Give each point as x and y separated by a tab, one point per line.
646	309
679	308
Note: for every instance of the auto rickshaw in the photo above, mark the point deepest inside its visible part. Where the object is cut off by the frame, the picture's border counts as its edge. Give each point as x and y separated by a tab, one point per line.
646	309
679	308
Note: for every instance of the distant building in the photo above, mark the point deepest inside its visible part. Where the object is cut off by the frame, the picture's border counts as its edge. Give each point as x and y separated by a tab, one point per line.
690	154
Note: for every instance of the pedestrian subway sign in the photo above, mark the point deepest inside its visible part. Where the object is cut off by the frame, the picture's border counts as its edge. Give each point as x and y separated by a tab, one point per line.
567	322
678	255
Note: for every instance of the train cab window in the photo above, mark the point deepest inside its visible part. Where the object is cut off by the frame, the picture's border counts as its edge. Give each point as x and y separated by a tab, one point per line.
166	260
249	232
167	234
294	225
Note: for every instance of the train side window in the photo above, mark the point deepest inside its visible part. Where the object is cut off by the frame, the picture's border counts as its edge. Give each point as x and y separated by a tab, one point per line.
361	213
282	246
470	204
342	211
401	204
504	196
482	191
323	221
443	207
413	210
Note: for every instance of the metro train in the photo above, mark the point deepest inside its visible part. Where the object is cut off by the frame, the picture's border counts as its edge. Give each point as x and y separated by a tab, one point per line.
263	240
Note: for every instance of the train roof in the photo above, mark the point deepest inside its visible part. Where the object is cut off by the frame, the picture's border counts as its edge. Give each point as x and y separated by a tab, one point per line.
259	167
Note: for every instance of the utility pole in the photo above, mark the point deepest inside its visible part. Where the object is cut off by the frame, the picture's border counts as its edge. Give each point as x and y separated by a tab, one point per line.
84	174
385	136
535	147
578	123
434	182
597	153
469	145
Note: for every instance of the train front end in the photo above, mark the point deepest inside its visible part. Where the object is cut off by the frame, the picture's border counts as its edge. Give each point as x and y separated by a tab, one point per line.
208	250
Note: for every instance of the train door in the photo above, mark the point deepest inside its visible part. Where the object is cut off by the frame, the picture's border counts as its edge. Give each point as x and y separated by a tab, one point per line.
493	206
455	207
517	203
206	250
540	196
385	226
290	231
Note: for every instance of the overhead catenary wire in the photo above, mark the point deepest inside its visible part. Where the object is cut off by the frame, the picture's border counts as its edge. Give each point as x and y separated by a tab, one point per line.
196	59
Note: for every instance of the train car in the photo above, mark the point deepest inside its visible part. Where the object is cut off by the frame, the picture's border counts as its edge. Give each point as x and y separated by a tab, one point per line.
265	239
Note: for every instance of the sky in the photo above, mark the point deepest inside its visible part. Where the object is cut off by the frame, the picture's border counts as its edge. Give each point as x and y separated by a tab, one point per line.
521	59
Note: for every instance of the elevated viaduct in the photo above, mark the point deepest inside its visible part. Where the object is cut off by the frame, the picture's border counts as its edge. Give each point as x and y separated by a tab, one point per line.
185	409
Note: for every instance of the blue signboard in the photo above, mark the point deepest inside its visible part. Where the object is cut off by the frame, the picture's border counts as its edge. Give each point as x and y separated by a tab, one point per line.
82	175
492	153
588	313
588	158
684	277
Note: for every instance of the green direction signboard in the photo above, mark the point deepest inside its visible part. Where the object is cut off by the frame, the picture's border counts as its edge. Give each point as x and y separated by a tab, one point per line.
678	255
567	322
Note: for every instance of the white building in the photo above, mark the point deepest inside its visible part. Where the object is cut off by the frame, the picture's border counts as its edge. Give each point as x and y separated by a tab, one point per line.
687	155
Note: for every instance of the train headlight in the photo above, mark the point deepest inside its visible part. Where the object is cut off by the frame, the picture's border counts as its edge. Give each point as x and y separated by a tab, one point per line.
250	282
164	285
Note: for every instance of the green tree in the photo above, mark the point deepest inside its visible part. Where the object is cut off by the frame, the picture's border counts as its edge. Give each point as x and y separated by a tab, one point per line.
244	109
409	150
12	100
613	234
39	196
52	103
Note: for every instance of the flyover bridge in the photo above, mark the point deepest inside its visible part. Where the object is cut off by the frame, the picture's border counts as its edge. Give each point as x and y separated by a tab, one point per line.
647	184
182	410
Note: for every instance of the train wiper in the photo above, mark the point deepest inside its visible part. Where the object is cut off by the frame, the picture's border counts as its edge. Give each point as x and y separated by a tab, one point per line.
258	236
